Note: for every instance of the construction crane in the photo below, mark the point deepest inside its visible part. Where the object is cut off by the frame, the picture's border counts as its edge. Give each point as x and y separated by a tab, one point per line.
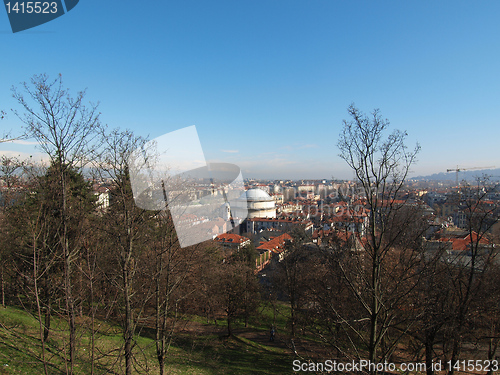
466	169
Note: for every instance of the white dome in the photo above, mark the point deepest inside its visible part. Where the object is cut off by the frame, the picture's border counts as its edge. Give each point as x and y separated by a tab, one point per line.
258	195
254	203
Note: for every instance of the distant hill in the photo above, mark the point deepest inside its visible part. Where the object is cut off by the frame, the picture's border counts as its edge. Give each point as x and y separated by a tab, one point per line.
465	175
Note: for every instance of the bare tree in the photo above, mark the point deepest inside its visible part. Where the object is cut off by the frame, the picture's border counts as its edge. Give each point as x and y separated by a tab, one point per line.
381	166
478	215
433	301
65	129
10	174
290	275
490	313
237	291
171	267
29	230
39	267
127	228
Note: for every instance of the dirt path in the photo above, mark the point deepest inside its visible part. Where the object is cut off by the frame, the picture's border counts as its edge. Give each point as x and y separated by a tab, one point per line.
304	348
263	338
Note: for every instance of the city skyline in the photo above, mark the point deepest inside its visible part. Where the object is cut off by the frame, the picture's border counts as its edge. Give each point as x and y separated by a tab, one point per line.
268	84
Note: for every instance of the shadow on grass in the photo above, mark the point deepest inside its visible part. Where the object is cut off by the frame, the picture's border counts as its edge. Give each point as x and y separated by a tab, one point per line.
211	350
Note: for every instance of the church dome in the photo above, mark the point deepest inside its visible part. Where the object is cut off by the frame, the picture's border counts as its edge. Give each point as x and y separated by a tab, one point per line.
258	195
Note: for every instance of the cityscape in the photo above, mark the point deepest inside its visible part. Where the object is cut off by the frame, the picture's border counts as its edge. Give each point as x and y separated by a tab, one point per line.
378	274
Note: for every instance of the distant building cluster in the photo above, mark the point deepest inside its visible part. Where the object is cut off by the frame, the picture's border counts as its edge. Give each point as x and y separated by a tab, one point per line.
328	212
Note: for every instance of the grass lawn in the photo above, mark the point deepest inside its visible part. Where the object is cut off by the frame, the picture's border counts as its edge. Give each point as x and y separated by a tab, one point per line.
193	352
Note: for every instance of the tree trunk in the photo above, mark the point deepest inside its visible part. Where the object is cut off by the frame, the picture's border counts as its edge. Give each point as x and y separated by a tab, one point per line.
46	327
38	306
70	307
493	345
128	321
373	344
429	352
160	333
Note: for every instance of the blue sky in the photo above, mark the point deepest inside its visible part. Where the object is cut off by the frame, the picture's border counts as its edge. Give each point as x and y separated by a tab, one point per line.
267	83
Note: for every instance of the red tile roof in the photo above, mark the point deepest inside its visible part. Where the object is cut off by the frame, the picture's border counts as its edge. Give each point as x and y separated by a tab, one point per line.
231	238
275	244
461	243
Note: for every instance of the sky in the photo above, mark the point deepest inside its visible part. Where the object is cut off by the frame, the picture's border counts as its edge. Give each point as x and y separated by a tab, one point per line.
268	83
